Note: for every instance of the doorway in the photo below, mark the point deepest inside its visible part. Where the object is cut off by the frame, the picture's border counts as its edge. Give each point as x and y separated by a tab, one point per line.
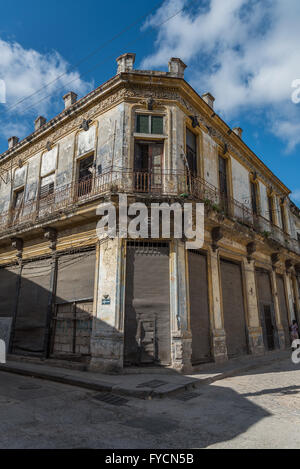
147	327
148	166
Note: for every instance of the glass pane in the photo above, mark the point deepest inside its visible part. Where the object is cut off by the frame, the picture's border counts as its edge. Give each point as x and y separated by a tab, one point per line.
142	124
157	125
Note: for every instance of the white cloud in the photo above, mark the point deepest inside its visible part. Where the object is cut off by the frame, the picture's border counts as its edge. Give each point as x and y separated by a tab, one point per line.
25	71
245	52
296	195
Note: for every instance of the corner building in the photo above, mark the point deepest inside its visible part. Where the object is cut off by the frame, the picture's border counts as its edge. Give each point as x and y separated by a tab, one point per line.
118	303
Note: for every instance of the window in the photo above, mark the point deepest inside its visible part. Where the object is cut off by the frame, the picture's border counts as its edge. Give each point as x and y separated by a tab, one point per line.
270	205
146	124
191	152
223	176
18	198
223	183
254	197
47	186
85	175
148	165
282	211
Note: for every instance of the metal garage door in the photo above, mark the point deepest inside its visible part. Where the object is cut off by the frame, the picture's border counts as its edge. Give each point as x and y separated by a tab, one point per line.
8	290
147	313
199	309
73	309
31	319
283	309
233	309
266	308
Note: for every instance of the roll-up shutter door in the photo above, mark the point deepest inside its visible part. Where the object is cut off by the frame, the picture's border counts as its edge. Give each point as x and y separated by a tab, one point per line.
8	290
76	277
147	313
199	309
233	309
283	309
73	311
266	309
31	319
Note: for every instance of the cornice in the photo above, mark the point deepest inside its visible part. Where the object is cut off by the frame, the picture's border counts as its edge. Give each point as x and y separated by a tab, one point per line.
127	86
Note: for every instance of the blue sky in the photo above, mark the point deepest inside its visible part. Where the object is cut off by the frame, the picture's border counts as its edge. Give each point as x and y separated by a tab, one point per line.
245	52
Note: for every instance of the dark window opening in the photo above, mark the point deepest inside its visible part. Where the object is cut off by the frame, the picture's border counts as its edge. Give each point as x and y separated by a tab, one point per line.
18	198
270	204
191	152
146	124
223	183
85	175
254	198
148	165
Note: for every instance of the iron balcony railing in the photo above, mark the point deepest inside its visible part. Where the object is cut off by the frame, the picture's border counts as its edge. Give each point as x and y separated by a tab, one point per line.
154	183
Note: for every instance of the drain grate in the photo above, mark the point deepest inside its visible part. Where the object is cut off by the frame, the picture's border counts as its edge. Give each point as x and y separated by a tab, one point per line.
155	383
111	399
187	396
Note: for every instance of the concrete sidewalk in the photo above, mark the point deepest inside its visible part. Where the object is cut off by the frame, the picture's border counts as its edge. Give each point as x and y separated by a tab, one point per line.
143	385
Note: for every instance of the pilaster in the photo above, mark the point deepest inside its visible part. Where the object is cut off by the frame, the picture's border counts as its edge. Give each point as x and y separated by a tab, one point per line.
217	322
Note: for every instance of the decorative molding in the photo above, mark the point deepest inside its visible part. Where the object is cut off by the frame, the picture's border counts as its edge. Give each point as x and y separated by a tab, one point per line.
251	249
216	235
18	244
51	235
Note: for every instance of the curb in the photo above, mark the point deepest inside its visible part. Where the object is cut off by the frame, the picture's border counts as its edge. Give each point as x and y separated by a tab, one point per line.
145	394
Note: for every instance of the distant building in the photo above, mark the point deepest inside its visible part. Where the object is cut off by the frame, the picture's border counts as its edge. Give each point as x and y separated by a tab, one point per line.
128	302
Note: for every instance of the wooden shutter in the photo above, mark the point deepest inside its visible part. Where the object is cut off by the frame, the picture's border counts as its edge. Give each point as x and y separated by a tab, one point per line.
233	308
283	309
31	319
147	312
76	277
199	309
142	124
157	125
8	290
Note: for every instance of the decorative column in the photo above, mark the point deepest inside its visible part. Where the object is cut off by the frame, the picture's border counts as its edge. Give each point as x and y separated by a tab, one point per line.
107	340
297	289
280	330
255	334
180	323
288	289
217	323
18	244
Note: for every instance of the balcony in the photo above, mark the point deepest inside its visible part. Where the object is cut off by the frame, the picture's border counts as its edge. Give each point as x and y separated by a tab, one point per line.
169	184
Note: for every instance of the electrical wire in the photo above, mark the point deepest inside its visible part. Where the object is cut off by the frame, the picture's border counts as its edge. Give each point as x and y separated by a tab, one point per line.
84	59
101	62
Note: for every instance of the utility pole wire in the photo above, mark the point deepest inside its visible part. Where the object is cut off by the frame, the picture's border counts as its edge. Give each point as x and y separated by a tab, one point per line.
103	61
84	59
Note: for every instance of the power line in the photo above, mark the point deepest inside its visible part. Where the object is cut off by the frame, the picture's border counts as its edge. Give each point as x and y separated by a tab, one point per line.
103	61
84	59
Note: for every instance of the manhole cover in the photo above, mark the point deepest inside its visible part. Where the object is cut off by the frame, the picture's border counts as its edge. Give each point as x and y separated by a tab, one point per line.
187	396
152	384
111	399
29	387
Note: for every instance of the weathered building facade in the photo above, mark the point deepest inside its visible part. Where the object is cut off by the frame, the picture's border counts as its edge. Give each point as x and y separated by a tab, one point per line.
126	302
